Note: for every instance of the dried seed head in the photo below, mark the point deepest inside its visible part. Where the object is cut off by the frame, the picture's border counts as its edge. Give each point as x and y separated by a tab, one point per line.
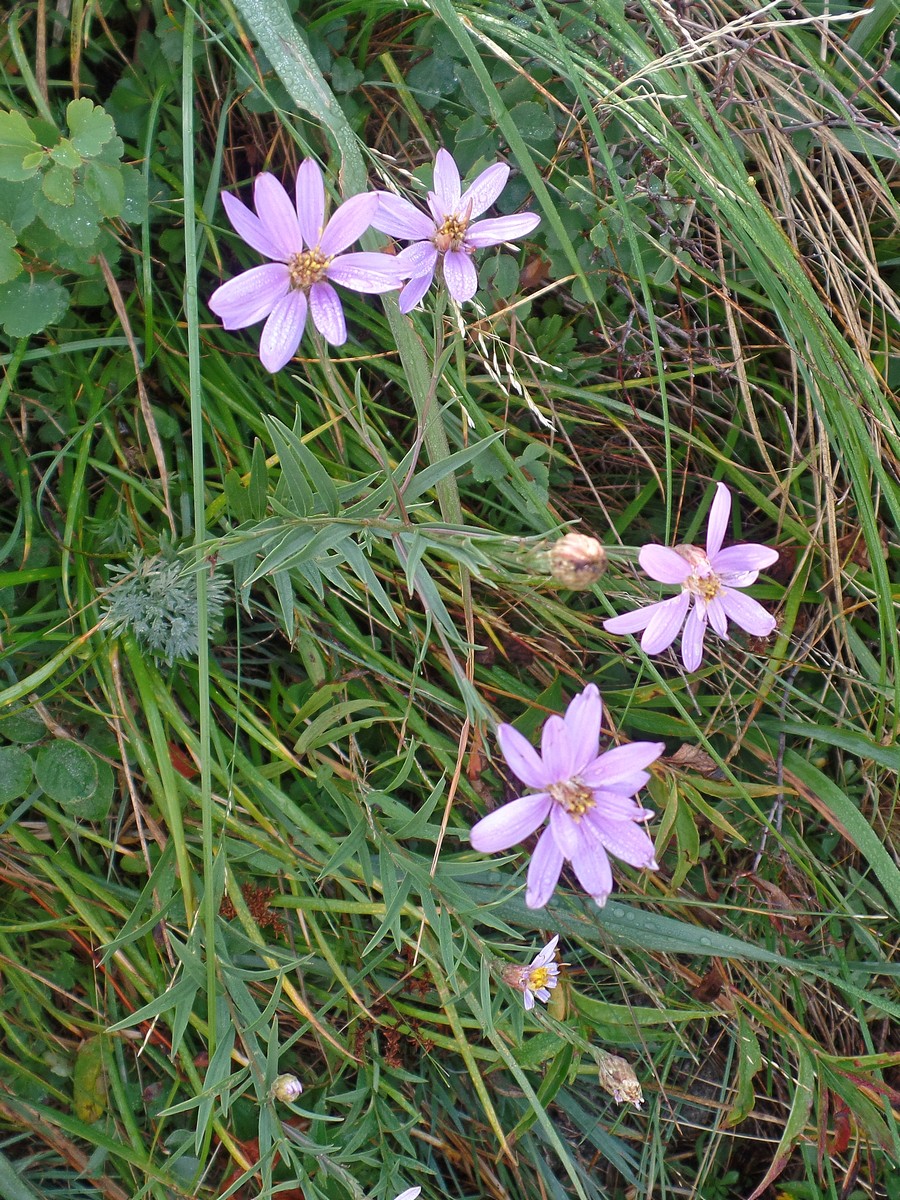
577	561
618	1078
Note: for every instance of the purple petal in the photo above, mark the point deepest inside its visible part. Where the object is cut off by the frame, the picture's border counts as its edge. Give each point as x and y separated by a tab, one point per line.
621	763
328	313
620	805
566	830
511	824
747	612
528	1000
436	208
484	190
591	865
250	296
460	275
625	840
543	994
748	556
501	229
414	291
277	215
664	624
250	228
692	638
398	218
547	953
556	750
310	200
365	271
664	564
738	579
715	614
523	759
631	622
582	720
282	332
718	520
446	180
543	871
348	223
418	259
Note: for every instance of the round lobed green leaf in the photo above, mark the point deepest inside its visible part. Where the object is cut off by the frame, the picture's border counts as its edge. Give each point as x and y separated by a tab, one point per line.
15	773
67	773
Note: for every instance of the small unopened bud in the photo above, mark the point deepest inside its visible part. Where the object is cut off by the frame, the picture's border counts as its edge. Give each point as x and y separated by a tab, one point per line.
577	561
286	1088
618	1078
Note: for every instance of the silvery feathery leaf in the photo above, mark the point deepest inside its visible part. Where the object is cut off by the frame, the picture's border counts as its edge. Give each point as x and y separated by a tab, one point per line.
155	598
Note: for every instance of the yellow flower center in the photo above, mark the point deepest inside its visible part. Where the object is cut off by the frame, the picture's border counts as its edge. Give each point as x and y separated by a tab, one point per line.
306	268
451	235
538	977
574	797
702	582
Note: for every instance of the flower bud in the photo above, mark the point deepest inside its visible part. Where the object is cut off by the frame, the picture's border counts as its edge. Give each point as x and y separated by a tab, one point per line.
286	1088
577	561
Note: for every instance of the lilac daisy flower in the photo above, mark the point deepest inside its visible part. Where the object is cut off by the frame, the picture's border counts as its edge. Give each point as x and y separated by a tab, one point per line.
709	579
307	258
537	979
446	231
588	797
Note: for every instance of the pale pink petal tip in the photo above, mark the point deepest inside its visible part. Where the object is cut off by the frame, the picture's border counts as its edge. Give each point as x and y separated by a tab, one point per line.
409	1194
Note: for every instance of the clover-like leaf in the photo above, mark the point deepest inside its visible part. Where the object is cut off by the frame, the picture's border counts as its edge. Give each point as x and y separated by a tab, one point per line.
20	152
67	772
29	305
90	128
15	773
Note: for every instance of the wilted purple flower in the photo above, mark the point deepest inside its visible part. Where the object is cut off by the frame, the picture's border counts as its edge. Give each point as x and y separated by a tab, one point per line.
538	979
307	259
709	578
587	795
447	232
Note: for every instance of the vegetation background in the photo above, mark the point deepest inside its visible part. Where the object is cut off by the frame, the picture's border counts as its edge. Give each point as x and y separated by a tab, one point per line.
256	630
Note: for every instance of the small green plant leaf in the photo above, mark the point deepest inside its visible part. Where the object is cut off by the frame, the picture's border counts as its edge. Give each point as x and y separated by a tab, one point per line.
89	1081
26	727
533	122
20	153
67	773
76	224
106	187
15	773
29	305
90	128
58	185
345	76
10	263
65	154
17	202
